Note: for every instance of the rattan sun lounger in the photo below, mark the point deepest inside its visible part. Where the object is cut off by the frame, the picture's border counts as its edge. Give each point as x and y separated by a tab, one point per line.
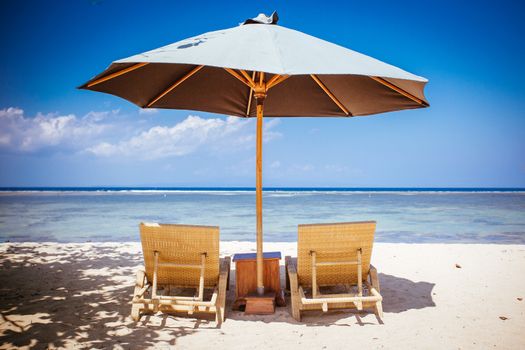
178	258
333	257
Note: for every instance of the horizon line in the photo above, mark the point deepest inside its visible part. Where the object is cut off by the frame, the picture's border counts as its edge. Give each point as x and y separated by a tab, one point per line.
249	188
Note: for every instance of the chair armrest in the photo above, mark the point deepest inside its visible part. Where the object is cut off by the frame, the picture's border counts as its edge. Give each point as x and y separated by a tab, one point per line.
374	280
141	279
225	266
224	281
291	273
224	272
292	283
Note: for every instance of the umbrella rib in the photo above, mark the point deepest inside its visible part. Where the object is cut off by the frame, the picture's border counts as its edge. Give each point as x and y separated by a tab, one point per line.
247	76
174	85
330	94
116	74
272	80
238	76
250	96
399	90
278	80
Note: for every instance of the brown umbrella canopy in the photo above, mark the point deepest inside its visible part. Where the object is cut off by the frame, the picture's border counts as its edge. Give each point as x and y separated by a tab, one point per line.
214	89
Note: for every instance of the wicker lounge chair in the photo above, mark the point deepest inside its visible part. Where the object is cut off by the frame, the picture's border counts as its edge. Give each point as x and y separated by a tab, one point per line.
181	258
331	257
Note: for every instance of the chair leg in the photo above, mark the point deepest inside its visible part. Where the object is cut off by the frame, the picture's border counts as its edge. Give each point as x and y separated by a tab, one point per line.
296	313
139	283
379	310
375	284
135	312
219	315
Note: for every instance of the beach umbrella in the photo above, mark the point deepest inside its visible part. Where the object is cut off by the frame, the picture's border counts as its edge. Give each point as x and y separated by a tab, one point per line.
261	68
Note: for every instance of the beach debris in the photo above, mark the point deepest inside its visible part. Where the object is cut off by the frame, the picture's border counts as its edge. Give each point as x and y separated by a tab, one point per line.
503	318
458	266
519	299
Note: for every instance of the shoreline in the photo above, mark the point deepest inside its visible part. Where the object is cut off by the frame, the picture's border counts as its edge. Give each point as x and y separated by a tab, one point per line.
249	244
76	295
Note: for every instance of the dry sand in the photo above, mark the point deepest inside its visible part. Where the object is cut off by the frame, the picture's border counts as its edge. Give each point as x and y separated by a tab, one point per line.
77	296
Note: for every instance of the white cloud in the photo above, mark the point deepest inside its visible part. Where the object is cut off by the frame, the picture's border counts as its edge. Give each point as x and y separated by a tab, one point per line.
148	110
303	167
188	136
108	134
268	133
98	116
299	168
342	169
336	168
23	134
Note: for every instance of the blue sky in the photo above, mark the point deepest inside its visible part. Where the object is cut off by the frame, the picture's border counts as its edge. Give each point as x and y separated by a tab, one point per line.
52	134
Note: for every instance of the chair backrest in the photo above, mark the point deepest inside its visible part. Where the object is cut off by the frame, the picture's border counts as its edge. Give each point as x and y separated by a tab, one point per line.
334	243
181	244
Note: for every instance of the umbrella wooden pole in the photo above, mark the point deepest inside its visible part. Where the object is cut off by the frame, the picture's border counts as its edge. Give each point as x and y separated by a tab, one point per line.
260	94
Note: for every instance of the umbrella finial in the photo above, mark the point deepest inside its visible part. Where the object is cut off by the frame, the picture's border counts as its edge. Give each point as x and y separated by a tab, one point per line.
263	19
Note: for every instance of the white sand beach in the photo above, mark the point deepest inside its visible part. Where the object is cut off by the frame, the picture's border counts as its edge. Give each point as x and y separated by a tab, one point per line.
78	296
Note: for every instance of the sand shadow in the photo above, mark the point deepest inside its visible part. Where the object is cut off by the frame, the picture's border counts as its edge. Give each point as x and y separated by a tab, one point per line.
79	294
399	295
44	303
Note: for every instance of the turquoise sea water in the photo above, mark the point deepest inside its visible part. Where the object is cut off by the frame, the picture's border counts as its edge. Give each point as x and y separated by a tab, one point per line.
432	215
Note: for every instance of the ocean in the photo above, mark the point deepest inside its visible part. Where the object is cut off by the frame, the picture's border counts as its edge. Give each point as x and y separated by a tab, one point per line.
98	214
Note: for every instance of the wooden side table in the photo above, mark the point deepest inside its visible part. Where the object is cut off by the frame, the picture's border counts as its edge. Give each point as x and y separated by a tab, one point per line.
246	279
